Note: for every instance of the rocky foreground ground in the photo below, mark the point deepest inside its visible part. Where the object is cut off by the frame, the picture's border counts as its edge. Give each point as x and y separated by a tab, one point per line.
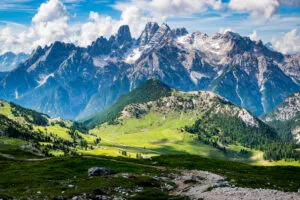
195	184
205	185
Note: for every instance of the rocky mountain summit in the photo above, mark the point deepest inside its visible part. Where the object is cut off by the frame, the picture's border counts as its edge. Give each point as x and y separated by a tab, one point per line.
63	80
195	102
287	110
286	117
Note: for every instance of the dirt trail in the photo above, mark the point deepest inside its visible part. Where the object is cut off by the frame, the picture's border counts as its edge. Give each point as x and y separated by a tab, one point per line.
22	159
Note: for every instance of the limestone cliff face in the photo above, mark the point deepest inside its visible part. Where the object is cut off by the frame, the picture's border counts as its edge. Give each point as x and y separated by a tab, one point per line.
287	116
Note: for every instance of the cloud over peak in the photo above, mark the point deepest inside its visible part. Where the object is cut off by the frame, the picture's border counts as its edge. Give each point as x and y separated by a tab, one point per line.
287	42
52	21
258	9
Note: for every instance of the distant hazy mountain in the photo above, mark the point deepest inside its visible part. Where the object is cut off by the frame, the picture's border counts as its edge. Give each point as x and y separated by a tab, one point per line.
286	118
10	61
71	82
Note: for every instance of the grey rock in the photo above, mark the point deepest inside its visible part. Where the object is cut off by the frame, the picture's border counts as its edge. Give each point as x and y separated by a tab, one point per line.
71	186
59	198
100	171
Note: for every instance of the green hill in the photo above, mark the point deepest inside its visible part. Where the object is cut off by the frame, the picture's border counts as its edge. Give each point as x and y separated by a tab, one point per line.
151	90
200	123
38	131
150	121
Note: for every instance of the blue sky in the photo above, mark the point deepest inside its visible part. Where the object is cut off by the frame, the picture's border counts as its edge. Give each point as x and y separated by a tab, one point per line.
262	19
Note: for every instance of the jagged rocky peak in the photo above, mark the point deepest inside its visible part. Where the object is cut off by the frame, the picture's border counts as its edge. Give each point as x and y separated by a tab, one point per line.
287	110
100	47
39	50
56	46
147	34
35	55
178	32
164	28
123	34
232	35
163	33
59	50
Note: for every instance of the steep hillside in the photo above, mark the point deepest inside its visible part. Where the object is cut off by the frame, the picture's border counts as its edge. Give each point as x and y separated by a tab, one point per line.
66	81
38	132
286	118
199	123
151	90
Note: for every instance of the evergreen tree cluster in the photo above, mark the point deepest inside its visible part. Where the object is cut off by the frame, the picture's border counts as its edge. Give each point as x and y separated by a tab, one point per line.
30	116
281	150
151	90
219	131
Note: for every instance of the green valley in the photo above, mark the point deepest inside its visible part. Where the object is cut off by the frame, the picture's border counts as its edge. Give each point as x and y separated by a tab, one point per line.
169	135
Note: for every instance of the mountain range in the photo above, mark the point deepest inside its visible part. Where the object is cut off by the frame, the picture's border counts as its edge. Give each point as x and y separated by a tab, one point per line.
10	61
63	80
153	119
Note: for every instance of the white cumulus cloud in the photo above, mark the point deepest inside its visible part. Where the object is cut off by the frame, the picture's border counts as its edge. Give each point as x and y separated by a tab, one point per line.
166	8
254	36
260	10
288	43
51	23
224	30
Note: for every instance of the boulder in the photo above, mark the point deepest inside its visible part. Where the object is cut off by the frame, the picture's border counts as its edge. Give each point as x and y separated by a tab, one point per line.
100	171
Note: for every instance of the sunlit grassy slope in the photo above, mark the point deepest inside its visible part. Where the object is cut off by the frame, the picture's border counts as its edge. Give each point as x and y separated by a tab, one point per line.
52	127
154	134
158	134
38	124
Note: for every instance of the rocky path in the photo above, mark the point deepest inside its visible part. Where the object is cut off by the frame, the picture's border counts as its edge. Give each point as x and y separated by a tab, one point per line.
22	159
208	186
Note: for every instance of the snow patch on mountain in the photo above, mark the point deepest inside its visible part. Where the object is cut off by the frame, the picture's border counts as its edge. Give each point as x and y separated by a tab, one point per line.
43	79
100	61
237	88
196	76
133	55
16	94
